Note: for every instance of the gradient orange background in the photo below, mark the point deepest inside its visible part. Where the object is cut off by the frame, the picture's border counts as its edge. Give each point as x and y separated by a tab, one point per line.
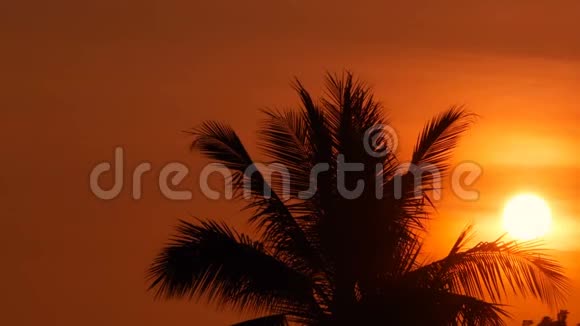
78	79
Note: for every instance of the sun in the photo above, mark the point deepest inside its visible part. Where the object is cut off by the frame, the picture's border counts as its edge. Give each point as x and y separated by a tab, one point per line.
527	216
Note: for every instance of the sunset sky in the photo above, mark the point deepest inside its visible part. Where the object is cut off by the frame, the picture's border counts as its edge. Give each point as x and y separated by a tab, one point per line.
79	79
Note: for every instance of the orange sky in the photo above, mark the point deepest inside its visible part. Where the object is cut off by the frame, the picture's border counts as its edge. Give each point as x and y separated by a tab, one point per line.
79	79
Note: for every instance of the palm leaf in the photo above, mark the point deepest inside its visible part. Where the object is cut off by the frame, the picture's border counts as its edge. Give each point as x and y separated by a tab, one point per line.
401	303
465	310
213	261
440	136
284	139
220	143
408	190
491	268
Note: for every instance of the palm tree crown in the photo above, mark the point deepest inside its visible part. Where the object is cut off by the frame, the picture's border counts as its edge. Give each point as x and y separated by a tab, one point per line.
325	259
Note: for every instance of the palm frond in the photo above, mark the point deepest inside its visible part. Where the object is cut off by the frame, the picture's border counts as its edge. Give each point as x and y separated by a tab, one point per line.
408	190
220	143
319	203
407	304
320	144
211	260
271	215
440	136
490	269
317	128
284	139
352	111
465	310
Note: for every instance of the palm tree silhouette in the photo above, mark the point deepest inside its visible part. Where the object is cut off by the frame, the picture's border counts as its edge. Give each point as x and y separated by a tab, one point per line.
329	260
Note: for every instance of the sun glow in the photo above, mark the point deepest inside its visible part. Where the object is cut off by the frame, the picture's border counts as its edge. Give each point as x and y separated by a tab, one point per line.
526	217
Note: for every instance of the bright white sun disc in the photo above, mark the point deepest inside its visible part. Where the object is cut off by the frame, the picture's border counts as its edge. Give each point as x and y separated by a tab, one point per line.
526	217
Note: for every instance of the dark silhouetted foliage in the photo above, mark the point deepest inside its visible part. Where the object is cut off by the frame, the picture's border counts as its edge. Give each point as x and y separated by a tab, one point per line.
328	260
